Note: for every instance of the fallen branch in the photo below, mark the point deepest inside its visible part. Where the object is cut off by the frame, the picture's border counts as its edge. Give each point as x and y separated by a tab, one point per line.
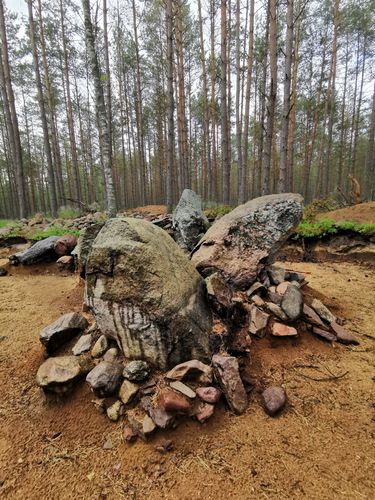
325	379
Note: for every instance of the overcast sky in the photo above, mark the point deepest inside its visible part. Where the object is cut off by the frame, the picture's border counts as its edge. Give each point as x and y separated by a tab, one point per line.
16	5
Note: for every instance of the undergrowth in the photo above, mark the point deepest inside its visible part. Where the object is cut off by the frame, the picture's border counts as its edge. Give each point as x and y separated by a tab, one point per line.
325	227
218	211
53	231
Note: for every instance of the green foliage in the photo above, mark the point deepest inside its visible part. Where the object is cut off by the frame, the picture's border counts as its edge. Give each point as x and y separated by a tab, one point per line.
218	211
325	227
319	205
68	213
53	231
6	222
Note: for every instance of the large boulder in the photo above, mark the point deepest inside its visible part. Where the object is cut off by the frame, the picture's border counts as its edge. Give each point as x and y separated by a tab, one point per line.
241	243
42	250
189	221
146	294
84	244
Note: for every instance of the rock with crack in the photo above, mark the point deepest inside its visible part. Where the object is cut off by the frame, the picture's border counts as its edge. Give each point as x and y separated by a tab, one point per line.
59	374
146	294
189	370
228	376
189	221
105	379
62	330
42	250
241	243
258	322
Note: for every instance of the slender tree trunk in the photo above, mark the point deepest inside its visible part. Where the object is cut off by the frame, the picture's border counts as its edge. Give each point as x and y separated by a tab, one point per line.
101	109
240	165
169	190
370	155
224	105
215	190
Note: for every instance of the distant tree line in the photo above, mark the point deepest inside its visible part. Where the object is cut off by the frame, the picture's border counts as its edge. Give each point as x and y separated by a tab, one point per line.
122	104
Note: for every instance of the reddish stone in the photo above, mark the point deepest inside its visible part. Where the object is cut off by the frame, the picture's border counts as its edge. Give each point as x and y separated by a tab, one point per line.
227	374
205	411
280	330
274	399
129	434
310	316
324	334
342	335
65	244
258	321
282	288
172	401
209	394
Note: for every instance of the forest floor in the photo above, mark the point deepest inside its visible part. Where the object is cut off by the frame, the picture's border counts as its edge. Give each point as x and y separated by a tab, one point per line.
363	213
321	446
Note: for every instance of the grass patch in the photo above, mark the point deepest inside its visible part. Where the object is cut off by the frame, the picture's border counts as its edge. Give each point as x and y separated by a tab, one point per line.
326	227
218	211
7	222
53	231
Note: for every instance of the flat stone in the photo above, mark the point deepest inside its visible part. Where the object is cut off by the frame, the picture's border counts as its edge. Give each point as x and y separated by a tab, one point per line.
310	316
274	399
190	370
111	355
83	345
105	379
161	418
324	334
240	244
171	401
292	302
59	374
65	263
209	394
227	374
137	370
282	287
276	311
114	411
184	389
218	292
100	347
323	311
280	330
62	330
258	301
128	391
276	274
258	322
343	336
204	412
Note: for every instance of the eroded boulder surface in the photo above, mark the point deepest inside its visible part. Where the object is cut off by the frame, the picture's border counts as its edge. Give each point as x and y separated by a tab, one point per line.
146	294
243	242
189	221
84	244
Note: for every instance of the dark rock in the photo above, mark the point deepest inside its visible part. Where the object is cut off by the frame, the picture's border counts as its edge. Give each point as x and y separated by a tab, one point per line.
209	394
105	379
189	370
59	374
310	316
171	401
242	242
65	244
83	345
62	330
292	302
342	335
228	376
280	330
276	274
258	322
42	250
146	294
189	221
295	276
3	271
274	399
257	288
136	370
323	311
324	334
274	297
219	293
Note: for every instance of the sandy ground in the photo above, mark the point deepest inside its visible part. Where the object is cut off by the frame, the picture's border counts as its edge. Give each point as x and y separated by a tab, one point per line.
321	446
362	213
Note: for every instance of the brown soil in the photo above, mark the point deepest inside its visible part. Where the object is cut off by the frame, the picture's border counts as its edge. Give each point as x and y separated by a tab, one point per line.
363	213
321	446
150	209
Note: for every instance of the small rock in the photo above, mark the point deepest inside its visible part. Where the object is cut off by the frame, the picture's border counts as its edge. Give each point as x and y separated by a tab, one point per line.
129	434
209	394
258	322
62	330
184	389
295	276
165	446
100	347
137	370
324	334
257	288
105	378
280	330
162	418
204	412
323	311
228	375
292	302
108	445
113	411
274	297
3	271
111	355
83	345
142	425
218	292
258	301
190	370
276	274
171	401
59	374
282	287
65	263
128	391
274	399
276	311
148	426
342	335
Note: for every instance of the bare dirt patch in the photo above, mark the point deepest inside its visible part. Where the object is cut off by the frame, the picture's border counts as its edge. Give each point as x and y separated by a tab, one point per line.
362	213
321	446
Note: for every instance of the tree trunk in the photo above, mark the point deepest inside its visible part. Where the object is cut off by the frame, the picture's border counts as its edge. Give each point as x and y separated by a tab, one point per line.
224	105
170	155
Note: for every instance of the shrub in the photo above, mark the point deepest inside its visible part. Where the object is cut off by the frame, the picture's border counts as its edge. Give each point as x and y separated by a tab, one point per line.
218	211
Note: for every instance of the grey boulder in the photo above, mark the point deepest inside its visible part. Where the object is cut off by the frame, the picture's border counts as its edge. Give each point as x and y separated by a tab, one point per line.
243	242
189	221
62	330
105	379
146	294
292	302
